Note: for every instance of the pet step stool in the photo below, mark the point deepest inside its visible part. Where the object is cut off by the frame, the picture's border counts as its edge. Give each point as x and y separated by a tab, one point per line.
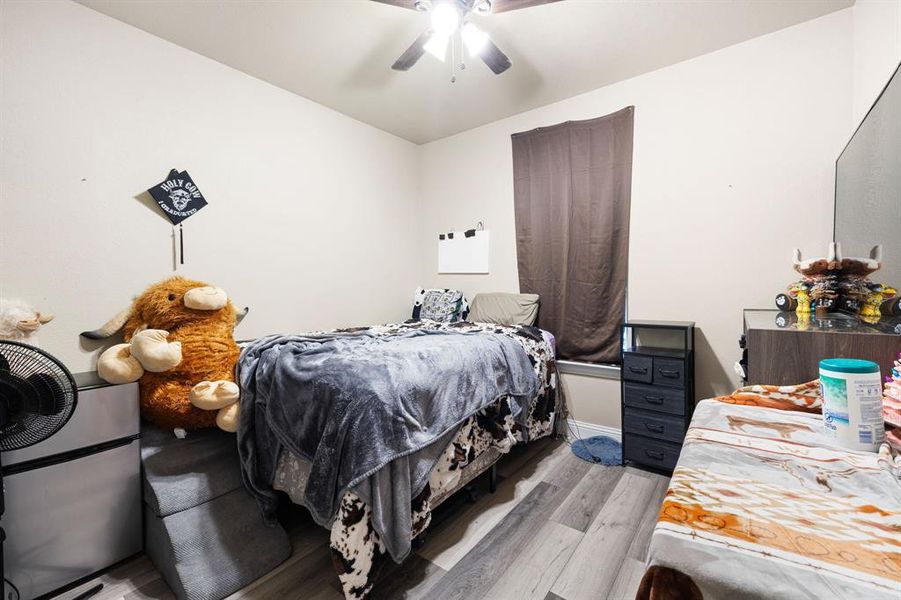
203	530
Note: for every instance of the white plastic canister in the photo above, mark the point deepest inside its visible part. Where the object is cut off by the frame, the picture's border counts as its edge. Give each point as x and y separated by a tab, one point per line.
852	403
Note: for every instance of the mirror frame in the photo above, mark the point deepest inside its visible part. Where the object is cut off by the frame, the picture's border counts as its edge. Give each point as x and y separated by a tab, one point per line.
895	73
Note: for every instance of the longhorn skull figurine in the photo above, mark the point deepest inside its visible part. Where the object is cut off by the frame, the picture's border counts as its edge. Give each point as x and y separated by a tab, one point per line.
832	282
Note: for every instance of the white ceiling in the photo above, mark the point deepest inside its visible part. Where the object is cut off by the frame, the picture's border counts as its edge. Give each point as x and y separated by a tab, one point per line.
339	52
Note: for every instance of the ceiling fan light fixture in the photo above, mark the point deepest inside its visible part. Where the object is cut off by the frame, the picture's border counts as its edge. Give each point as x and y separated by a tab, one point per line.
445	19
437	46
422	5
474	38
482	7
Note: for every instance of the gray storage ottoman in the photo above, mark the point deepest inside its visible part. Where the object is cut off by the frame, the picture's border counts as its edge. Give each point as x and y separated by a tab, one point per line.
203	530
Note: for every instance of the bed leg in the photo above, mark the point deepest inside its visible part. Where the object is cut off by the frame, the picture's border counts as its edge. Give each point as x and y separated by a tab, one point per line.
470	494
492	478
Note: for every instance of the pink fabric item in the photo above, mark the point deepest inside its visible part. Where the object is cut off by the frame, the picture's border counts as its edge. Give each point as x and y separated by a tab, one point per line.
551	341
893	439
891	402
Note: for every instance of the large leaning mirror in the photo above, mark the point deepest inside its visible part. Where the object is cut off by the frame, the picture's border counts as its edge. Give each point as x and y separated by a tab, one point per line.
868	186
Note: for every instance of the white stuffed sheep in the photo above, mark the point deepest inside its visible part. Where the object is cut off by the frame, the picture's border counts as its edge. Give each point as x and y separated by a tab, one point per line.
19	322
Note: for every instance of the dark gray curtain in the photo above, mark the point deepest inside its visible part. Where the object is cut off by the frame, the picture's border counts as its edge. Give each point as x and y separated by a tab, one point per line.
572	190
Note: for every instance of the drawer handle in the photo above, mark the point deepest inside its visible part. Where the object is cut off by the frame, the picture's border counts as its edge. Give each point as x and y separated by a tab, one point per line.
639	371
654	399
669	373
655	454
654	427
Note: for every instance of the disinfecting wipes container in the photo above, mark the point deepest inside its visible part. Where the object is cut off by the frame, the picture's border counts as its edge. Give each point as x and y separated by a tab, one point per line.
852	403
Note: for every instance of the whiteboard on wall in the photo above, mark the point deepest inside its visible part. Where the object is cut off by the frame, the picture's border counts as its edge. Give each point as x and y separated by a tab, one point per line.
463	254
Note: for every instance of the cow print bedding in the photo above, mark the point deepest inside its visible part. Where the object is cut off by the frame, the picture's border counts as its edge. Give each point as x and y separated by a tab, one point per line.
357	552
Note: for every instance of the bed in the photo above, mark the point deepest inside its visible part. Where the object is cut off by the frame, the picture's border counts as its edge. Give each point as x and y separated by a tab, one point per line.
364	524
761	505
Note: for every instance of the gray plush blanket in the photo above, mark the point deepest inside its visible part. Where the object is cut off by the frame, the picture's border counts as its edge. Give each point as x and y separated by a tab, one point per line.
371	413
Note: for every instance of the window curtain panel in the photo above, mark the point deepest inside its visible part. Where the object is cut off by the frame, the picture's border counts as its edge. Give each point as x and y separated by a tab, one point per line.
572	191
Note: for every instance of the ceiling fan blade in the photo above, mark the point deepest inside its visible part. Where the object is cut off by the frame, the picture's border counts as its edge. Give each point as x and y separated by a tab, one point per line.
410	4
413	53
492	56
499	6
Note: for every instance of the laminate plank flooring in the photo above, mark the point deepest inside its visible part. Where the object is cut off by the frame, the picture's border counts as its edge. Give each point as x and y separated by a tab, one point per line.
534	570
118	581
452	539
587	498
411	580
557	528
592	570
476	573
152	589
627	579
638	549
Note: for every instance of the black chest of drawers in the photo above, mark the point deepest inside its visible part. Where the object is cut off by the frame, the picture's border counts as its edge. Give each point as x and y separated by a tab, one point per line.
657	391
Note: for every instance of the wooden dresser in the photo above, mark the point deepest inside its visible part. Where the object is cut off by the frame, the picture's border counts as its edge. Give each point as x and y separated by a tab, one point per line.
657	391
780	349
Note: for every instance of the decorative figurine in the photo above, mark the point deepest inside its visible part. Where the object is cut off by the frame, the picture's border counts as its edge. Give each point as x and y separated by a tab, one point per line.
801	293
878	292
786	302
835	283
825	295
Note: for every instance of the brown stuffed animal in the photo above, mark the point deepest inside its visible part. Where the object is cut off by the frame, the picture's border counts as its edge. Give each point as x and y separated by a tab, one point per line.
180	346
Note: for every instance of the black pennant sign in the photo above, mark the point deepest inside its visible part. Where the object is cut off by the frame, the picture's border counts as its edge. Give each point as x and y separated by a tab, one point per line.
178	196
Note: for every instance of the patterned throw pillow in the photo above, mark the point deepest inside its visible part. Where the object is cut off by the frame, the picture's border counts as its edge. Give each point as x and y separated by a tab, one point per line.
446	306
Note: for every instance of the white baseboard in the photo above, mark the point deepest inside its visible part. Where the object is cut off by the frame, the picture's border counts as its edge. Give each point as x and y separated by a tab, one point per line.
586	430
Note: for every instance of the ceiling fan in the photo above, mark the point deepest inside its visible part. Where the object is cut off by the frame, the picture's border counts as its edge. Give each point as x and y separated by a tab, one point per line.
448	17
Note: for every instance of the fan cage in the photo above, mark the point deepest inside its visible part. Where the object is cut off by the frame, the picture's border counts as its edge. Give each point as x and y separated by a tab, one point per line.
23	366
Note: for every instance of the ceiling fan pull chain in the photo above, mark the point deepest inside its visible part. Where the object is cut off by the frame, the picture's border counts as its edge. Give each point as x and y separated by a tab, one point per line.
462	55
453	61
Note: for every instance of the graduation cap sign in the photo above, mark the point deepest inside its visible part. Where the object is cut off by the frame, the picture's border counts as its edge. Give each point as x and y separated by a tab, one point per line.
178	196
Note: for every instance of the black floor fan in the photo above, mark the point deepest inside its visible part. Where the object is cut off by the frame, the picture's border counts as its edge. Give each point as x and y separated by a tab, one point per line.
37	397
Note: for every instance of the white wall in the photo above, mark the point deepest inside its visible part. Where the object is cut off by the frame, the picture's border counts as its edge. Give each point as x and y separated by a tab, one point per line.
877	50
93	112
733	166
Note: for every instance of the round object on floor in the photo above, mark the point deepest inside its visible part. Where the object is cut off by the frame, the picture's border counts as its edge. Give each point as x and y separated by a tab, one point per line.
599	449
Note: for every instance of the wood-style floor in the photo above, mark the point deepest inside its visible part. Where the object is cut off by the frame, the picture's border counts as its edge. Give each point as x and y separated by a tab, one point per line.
556	528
